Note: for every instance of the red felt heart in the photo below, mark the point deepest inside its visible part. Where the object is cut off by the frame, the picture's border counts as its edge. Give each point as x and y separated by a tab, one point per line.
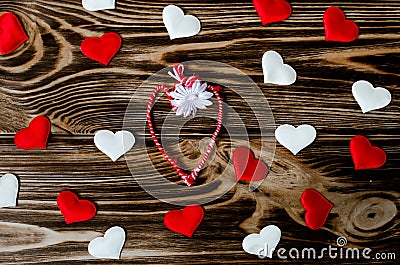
35	136
73	209
364	155
247	167
272	10
317	208
184	221
12	34
337	28
101	49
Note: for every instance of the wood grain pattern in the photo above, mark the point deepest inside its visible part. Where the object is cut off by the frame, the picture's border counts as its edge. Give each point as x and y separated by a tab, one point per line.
48	75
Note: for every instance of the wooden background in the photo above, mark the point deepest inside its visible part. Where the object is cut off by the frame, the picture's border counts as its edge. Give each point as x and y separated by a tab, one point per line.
49	76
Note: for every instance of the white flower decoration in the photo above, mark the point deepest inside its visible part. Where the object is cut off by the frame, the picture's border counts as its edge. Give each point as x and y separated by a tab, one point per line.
187	100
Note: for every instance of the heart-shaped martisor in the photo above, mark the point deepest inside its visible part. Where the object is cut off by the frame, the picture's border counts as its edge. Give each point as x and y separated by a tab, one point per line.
101	49
35	136
264	243
366	156
247	167
317	208
9	186
370	97
272	10
184	221
337	28
95	5
109	246
189	179
114	145
12	34
295	139
178	24
275	71
73	209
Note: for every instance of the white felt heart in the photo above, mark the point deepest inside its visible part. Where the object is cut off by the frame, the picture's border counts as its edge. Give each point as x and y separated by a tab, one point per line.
95	5
264	243
178	24
295	139
8	190
114	145
109	246
275	71
370	97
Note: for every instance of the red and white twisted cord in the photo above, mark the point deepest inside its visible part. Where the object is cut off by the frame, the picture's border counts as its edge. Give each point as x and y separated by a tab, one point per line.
191	178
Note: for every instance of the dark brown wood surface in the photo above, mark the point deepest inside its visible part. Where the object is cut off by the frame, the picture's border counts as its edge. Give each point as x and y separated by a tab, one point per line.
48	75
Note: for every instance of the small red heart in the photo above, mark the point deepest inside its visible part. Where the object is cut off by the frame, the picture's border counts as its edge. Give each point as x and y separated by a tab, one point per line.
101	49
272	10
247	167
184	221
364	155
337	28
73	209
317	208
12	34
35	136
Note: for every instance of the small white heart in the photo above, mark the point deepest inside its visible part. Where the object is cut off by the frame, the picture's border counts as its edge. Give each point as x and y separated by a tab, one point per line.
370	97
114	145
109	246
95	5
264	243
178	24
295	139
275	71
8	190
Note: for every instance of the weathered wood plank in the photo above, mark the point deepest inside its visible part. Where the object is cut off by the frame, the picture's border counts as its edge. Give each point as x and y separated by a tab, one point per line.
69	92
119	197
